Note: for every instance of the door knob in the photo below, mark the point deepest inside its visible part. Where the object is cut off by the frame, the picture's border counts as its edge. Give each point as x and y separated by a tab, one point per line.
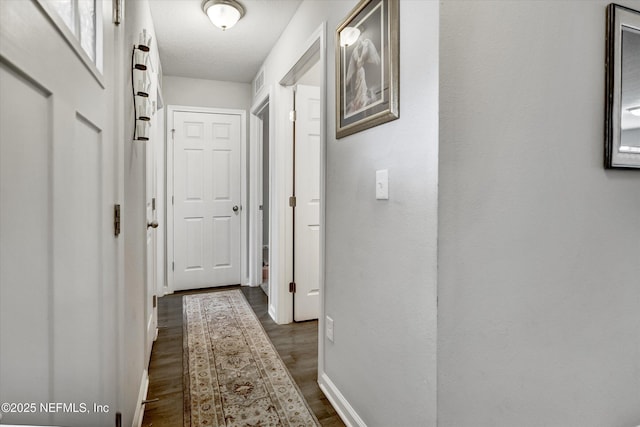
236	208
152	224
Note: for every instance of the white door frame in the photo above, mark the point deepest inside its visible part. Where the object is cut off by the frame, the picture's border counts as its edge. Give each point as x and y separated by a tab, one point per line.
161	201
280	100
171	109
151	248
315	51
262	102
281	265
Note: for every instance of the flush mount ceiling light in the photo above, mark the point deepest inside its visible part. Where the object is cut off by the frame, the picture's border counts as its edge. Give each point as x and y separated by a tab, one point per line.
635	111
223	13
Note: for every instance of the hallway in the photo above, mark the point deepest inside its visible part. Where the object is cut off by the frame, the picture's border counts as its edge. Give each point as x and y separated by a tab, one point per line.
479	259
297	345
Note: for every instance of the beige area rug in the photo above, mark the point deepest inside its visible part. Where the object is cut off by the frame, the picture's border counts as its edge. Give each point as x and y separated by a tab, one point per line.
233	375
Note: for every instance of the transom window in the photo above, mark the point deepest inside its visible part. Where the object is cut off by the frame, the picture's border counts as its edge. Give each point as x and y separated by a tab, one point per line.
80	22
80	17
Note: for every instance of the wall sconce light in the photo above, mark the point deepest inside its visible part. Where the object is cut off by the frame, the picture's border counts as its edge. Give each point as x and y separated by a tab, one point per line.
223	14
635	111
348	36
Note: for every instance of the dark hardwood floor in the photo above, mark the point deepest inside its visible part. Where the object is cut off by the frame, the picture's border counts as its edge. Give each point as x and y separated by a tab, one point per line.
297	344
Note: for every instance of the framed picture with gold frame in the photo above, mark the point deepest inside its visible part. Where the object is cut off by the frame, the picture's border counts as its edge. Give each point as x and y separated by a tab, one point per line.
367	67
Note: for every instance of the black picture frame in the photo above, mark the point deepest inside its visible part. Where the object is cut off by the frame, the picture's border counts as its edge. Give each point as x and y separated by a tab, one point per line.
622	106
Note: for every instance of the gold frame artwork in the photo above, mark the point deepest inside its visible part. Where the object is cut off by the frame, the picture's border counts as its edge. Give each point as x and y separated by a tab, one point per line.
367	67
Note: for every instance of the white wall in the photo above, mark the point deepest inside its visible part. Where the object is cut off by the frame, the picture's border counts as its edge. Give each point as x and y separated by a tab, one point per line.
380	255
206	93
134	222
539	246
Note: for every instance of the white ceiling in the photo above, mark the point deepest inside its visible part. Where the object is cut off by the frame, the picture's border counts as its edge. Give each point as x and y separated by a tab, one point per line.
191	46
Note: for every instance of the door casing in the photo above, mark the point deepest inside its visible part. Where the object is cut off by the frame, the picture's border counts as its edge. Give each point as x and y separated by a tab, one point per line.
315	50
263	102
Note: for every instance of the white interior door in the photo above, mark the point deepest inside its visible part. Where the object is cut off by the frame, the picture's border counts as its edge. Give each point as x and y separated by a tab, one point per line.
307	210
207	195
58	272
151	311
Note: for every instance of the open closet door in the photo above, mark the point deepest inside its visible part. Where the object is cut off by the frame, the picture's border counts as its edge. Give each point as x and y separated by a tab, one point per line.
307	210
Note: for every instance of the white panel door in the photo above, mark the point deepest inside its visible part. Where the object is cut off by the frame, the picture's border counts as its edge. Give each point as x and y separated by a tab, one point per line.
206	182
151	311
58	272
307	210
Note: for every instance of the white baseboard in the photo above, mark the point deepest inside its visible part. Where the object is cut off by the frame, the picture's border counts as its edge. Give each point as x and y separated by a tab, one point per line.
349	416
142	395
272	312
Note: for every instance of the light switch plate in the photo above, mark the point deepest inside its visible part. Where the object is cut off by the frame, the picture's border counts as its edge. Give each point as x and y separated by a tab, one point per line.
382	184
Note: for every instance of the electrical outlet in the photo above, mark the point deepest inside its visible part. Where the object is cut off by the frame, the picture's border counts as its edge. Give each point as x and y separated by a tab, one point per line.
329	328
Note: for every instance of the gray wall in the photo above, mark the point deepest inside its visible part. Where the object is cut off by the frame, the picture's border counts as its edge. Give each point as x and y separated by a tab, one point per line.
381	265
380	286
539	246
206	93
132	364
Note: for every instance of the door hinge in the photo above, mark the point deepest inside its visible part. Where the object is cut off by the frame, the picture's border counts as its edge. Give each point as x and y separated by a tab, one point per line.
116	220
172	200
293	115
117	12
155	301
292	287
118	419
292	201
173	134
173	266
153	204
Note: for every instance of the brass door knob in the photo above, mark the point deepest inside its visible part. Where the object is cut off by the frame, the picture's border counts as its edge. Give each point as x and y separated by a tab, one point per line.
235	208
152	224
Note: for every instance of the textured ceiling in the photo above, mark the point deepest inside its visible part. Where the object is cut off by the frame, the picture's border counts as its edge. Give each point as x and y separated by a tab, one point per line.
191	46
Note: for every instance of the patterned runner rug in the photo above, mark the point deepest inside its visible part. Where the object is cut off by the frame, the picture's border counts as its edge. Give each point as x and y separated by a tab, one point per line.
233	375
